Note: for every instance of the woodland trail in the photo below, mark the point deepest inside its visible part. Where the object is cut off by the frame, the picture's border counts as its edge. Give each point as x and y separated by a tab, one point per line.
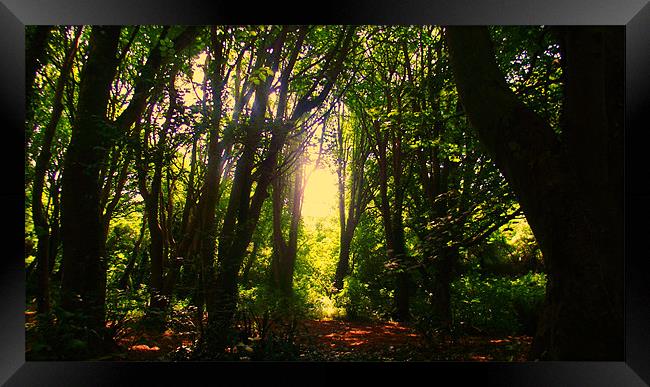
334	340
392	341
341	340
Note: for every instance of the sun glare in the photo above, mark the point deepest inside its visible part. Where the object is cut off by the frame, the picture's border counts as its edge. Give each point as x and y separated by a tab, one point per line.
320	194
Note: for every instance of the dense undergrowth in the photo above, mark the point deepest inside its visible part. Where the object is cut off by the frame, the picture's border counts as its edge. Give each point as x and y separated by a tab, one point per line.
270	326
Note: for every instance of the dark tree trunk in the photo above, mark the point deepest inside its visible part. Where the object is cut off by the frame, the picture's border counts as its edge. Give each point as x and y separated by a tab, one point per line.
280	247
578	225
241	215
207	226
39	216
403	278
391	213
35	58
442	287
83	285
239	223
55	236
284	251
343	264
152	204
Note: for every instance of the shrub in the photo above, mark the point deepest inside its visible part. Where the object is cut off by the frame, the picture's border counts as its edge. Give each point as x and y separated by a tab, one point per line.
498	305
267	324
363	302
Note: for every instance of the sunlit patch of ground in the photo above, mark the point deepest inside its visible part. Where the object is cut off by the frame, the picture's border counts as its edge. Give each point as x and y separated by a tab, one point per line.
391	341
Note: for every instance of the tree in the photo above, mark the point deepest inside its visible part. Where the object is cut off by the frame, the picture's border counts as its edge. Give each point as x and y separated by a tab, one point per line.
84	271
35	57
39	215
352	152
245	204
575	214
290	186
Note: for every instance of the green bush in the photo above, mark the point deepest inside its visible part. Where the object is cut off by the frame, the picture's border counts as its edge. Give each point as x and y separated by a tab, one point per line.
267	324
497	305
363	302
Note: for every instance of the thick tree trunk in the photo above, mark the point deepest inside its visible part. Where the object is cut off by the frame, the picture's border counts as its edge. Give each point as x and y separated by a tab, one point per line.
243	212
578	227
83	285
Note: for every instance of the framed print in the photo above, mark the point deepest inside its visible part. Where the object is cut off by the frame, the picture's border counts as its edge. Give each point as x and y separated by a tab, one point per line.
354	192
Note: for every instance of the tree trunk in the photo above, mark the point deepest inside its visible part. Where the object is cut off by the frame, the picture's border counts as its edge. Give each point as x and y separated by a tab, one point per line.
35	58
152	204
124	280
359	195
39	216
343	265
83	285
442	287
403	277
578	227
285	252
245	277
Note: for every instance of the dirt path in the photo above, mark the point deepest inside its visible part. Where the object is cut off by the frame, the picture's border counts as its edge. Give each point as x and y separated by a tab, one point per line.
332	340
391	341
341	340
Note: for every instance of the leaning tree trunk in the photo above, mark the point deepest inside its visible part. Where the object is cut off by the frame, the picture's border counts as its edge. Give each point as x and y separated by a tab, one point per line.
577	226
83	285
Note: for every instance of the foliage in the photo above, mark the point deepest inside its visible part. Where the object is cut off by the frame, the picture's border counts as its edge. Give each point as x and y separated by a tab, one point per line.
497	305
267	324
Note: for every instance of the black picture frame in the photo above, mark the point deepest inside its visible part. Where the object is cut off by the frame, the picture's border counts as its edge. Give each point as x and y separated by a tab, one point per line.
633	14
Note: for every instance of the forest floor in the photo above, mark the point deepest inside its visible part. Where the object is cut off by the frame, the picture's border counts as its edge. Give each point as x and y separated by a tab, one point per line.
333	340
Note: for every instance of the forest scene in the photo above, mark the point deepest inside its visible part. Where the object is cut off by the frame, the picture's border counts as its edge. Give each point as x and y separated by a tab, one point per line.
324	193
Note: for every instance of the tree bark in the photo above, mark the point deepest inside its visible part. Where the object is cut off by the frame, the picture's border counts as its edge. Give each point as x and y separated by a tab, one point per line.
83	285
578	227
35	58
39	216
343	264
